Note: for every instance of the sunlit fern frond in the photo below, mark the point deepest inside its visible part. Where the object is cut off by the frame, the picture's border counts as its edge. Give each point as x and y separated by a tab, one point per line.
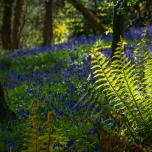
148	73
106	78
118	78
147	80
129	81
142	61
139	60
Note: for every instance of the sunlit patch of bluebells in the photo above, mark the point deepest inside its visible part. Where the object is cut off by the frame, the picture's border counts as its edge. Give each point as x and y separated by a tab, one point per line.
132	34
55	47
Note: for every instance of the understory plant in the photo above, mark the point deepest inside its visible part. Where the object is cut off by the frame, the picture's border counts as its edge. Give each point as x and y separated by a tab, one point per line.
118	79
39	135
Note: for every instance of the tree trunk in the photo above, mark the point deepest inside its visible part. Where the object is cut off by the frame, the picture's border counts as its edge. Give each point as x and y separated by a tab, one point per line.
17	22
48	23
93	20
5	112
118	27
6	24
95	4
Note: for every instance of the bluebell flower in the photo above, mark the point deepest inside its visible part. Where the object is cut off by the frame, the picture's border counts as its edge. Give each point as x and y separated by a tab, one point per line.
70	104
92	131
70	143
107	52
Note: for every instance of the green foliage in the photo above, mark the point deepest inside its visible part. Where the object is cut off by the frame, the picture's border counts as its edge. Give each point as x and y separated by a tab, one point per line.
119	82
95	108
78	24
5	62
12	130
132	2
36	140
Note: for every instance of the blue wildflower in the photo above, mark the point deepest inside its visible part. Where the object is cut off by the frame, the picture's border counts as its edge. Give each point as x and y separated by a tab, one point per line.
70	143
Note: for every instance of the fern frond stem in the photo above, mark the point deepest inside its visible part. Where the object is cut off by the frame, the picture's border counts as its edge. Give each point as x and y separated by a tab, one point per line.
49	140
132	96
51	116
127	123
36	140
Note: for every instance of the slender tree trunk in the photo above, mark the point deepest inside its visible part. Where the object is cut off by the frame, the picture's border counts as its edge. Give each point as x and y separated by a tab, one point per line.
5	112
118	27
48	23
6	24
93	20
17	23
95	4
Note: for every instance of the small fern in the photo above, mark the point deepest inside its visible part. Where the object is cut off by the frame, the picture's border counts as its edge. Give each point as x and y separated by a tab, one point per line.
41	141
31	140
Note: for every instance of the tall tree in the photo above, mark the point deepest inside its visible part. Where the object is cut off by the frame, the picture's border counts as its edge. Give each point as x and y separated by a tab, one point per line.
93	20
6	25
17	23
48	23
119	17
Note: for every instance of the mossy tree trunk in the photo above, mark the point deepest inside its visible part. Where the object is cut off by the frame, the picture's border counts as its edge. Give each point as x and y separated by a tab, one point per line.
6	24
48	23
93	20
